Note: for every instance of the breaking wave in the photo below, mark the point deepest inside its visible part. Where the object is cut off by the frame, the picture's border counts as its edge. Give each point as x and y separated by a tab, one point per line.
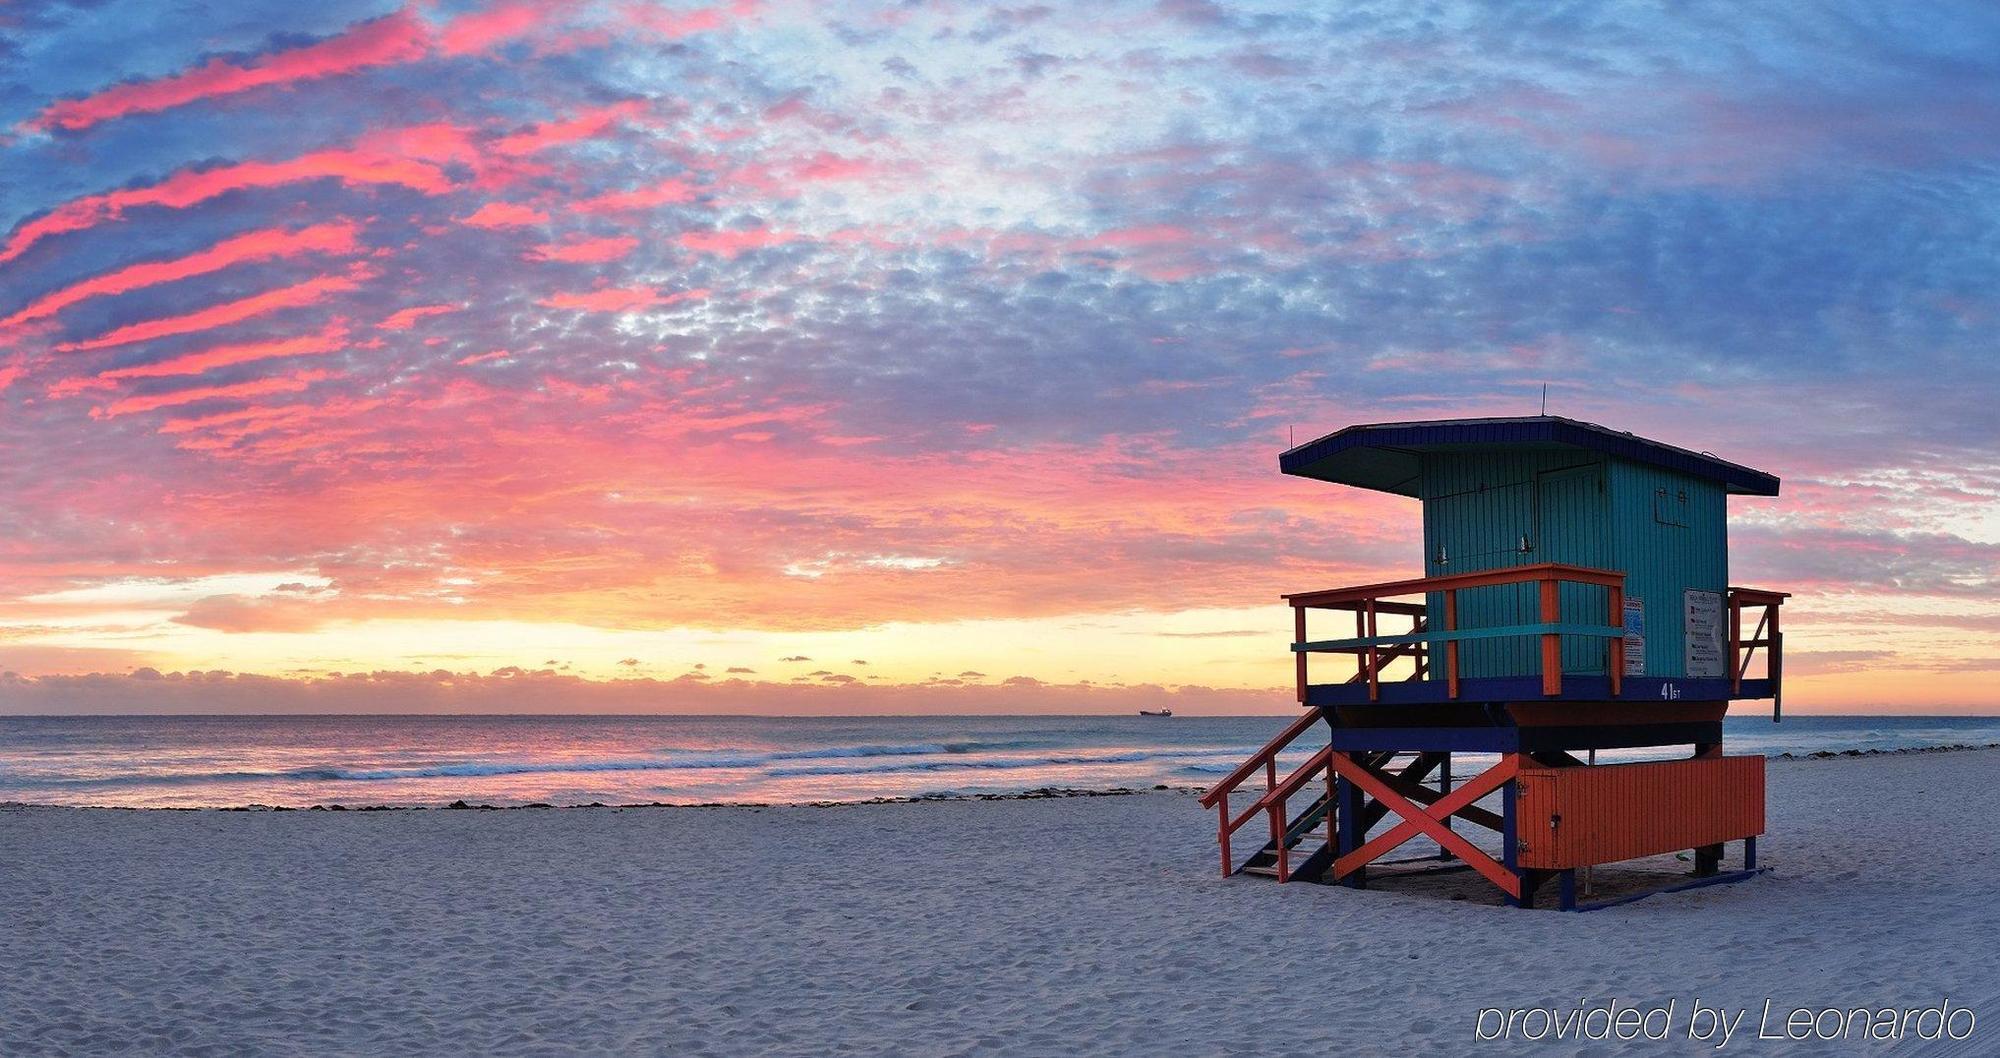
672	760
996	763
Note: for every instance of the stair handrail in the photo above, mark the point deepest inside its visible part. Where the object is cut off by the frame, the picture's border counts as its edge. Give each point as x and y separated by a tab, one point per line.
1265	759
1299	777
1273	803
1269	753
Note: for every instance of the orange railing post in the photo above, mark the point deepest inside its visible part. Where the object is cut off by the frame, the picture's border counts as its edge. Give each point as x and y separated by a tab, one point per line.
1738	659
1222	831
1552	662
1614	661
1332	786
1275	801
1776	665
1451	645
1278	839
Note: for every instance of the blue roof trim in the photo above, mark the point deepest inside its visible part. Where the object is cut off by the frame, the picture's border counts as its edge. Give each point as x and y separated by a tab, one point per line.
1384	456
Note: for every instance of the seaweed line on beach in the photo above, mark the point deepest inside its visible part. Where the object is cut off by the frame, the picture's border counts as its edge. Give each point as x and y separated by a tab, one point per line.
1827	754
1038	794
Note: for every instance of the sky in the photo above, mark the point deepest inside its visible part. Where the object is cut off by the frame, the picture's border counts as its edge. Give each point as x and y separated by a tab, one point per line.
790	357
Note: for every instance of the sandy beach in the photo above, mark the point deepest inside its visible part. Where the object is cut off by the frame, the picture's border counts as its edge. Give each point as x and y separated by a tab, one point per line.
1033	927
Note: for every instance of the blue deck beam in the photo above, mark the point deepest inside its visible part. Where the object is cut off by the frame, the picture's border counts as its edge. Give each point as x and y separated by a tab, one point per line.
1581	688
1510	739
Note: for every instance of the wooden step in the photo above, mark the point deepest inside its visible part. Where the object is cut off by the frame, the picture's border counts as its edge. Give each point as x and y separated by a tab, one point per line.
1269	860
1270	870
1305	843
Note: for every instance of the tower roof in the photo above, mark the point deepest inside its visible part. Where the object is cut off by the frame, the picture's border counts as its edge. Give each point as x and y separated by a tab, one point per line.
1386	456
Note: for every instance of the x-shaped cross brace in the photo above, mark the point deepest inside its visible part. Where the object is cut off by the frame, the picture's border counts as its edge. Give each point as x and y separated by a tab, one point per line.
1428	821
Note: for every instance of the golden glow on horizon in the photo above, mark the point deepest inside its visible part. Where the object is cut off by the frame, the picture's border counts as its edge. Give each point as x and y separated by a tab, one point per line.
1838	664
1220	648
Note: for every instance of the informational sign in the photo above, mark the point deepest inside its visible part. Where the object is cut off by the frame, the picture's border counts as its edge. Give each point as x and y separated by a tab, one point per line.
1704	634
1635	636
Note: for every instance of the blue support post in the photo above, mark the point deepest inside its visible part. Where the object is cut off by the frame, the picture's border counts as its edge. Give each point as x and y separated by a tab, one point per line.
1444	788
1348	801
1750	854
1567	895
1707	860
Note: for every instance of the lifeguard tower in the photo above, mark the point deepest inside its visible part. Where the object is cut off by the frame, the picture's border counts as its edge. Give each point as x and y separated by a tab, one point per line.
1575	598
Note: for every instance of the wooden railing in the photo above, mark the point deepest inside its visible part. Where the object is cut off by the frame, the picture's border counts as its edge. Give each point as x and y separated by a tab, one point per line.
1373	650
1272	800
1742	650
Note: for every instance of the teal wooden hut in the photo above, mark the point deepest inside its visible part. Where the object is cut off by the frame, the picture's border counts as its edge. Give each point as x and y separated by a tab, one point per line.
1575	596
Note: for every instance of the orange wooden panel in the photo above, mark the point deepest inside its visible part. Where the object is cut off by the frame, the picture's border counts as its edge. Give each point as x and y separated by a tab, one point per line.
1572	817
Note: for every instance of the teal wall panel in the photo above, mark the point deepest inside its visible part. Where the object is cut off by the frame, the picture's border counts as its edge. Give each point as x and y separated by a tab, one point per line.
1501	508
1672	534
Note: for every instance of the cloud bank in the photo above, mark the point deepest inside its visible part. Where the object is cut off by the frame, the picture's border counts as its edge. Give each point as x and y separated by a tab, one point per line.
786	316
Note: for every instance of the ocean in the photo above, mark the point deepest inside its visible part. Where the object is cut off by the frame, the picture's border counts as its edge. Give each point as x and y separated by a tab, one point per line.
299	761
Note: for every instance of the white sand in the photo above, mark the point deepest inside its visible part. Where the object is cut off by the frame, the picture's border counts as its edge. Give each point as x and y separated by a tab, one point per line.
1023	927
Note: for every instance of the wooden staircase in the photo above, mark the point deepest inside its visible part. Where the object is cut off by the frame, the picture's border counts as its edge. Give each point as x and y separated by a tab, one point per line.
1308	836
1310	829
1302	847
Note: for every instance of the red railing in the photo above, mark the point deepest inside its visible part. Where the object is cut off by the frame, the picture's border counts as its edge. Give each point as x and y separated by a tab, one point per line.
1373	650
1742	650
1272	801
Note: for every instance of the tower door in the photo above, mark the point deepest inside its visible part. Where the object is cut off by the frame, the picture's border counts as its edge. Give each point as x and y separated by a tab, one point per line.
1572	526
1485	527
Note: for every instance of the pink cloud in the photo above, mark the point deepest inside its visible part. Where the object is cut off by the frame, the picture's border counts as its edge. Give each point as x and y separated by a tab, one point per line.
733	242
330	339
404	319
586	251
822	167
1149	235
505	215
673	23
188	187
670	192
236	391
263	245
582	126
396	38
498	24
620	299
298	294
